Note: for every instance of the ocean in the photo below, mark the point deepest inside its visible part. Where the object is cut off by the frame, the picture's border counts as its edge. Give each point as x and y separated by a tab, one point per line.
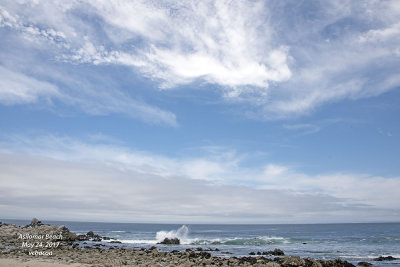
352	242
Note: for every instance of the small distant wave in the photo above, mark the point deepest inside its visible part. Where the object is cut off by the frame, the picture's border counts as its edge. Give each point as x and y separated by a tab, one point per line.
139	242
257	241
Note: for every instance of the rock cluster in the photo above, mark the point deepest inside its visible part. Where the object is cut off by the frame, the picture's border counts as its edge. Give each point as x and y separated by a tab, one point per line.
99	255
170	241
388	258
12	235
275	252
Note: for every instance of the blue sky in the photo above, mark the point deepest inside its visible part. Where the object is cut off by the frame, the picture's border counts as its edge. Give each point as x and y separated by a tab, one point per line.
217	111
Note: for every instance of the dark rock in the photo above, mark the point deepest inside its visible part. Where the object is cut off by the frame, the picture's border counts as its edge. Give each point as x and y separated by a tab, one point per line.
170	241
258	253
152	248
363	263
90	234
115	241
191	254
205	255
82	238
199	249
336	263
34	223
252	253
96	239
250	260
275	252
388	258
106	238
188	250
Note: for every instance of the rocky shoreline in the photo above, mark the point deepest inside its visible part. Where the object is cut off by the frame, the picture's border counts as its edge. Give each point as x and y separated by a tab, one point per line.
57	244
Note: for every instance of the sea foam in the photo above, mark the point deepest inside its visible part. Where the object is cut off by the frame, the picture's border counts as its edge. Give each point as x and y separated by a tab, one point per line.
181	234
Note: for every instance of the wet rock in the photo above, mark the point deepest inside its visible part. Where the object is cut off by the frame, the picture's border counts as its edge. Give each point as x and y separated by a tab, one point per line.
252	253
82	237
388	258
336	263
364	263
115	241
275	252
90	234
170	241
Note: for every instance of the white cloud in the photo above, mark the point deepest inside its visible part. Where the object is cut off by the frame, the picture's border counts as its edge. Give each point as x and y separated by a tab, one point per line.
207	182
17	88
95	192
271	57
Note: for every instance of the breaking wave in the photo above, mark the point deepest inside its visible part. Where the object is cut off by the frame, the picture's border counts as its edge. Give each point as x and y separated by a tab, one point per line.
181	234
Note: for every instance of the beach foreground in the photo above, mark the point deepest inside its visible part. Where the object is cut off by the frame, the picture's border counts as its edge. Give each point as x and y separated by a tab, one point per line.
38	244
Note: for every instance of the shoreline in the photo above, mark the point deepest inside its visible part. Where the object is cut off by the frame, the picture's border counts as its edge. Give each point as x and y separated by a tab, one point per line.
28	246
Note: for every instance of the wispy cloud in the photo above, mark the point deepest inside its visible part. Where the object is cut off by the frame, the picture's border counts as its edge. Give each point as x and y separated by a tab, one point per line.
303	128
268	56
188	179
17	88
29	74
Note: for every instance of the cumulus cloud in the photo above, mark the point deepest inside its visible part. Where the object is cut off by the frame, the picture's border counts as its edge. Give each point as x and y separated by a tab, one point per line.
213	187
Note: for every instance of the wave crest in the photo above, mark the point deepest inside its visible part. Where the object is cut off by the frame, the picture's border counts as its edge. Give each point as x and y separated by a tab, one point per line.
181	234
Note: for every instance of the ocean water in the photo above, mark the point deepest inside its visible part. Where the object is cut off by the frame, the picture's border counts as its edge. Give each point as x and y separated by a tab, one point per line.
351	242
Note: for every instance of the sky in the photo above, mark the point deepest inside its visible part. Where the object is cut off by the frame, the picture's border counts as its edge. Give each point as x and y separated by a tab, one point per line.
200	111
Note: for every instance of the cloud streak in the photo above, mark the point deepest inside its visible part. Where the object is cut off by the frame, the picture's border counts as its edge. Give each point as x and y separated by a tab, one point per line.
270	57
106	194
157	186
